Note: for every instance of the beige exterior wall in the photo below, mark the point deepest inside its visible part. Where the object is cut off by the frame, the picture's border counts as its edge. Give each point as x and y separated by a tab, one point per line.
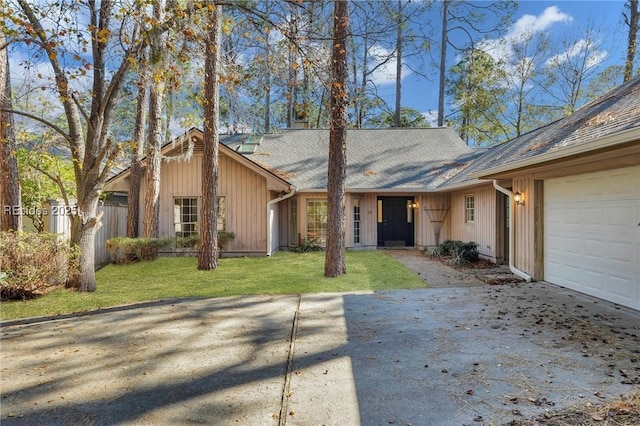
524	225
245	193
434	211
483	229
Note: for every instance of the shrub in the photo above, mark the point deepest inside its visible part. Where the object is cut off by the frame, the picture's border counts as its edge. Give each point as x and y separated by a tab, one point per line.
129	250
459	253
307	246
224	238
33	264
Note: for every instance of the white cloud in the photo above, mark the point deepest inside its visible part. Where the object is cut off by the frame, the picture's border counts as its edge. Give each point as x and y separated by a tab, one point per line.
384	66
527	26
536	24
579	49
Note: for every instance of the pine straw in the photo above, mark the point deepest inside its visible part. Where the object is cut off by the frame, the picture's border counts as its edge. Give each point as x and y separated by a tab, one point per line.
624	411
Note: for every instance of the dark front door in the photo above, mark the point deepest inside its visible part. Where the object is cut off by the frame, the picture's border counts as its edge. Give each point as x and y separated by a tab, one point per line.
395	222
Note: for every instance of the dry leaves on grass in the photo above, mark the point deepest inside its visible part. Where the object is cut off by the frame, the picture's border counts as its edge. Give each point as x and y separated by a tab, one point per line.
621	412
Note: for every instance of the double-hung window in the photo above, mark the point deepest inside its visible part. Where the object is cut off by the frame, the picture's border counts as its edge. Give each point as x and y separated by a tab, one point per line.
469	209
186	215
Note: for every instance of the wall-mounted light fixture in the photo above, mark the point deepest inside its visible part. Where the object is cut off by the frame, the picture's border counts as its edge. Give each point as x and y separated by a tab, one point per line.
413	205
518	198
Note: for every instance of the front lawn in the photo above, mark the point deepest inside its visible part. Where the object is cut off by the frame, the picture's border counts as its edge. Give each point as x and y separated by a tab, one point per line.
166	278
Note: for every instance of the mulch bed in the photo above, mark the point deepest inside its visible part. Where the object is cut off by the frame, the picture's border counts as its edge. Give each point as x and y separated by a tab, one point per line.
621	412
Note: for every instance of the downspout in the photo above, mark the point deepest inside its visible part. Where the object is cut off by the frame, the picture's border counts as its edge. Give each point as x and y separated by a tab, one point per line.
512	215
281	197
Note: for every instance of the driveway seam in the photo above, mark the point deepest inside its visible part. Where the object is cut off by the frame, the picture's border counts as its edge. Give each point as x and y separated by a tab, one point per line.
284	401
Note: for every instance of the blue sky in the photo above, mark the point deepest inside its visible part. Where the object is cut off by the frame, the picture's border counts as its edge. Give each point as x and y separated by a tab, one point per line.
560	20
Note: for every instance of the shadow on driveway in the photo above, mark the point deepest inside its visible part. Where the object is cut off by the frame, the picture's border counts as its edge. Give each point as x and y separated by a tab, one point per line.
437	356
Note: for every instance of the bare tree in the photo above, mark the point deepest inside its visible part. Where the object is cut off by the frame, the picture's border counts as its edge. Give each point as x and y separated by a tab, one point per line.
632	45
9	182
208	251
335	262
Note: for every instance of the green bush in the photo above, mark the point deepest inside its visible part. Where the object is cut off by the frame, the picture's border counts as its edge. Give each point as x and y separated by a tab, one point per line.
33	264
459	253
129	250
224	238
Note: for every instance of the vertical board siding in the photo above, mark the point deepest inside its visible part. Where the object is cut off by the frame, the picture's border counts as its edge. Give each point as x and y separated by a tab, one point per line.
483	230
245	193
524	216
427	228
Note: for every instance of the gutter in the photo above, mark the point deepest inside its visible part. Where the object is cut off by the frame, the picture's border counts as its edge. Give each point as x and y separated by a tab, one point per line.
292	190
512	230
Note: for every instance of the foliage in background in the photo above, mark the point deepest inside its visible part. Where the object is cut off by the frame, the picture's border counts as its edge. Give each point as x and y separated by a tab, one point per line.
456	252
34	264
41	177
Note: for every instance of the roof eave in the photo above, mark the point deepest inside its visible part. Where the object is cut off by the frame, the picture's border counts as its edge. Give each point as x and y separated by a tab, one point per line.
609	141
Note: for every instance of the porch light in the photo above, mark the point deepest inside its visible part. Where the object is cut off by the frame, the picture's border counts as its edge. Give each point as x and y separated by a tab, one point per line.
413	205
518	198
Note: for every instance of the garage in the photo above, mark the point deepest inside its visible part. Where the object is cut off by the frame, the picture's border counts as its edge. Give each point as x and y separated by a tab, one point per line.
592	234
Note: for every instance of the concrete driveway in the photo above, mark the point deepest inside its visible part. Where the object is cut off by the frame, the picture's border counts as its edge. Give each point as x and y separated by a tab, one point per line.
452	356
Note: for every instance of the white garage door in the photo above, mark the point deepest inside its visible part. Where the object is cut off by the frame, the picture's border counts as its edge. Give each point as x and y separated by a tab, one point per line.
592	234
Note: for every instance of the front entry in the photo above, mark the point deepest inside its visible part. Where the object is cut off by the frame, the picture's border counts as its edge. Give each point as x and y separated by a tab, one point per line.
395	222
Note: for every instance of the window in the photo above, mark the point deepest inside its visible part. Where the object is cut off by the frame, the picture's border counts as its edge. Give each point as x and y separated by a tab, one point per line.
317	221
186	214
469	209
356	221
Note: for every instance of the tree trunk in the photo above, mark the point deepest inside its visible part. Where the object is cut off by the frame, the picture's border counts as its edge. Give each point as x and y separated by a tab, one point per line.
632	21
444	41
335	262
267	86
208	251
9	183
83	234
397	114
154	155
135	177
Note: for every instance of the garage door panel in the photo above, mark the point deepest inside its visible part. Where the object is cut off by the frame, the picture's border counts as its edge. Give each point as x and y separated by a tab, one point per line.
591	237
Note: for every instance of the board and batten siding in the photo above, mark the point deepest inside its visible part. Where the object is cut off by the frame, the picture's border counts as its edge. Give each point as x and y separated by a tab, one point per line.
524	224
483	229
245	193
433	208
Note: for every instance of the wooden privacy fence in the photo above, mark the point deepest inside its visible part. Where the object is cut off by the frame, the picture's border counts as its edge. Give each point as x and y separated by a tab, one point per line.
114	224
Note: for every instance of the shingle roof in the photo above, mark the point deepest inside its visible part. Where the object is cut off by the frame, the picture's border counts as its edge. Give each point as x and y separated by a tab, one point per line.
614	112
384	159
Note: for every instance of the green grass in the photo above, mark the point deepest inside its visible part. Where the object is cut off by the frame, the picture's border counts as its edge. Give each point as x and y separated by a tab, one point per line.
167	278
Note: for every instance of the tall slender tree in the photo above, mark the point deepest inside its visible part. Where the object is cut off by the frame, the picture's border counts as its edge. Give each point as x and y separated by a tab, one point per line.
157	68
335	262
11	217
208	250
632	44
135	177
